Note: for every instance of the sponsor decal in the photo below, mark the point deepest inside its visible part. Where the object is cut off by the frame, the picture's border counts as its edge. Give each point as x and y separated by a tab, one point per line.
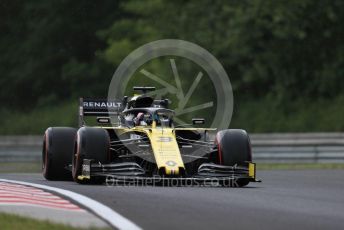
164	139
135	137
93	104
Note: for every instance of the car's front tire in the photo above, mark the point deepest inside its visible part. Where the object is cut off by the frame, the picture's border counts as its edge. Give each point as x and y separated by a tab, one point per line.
91	143
58	147
234	147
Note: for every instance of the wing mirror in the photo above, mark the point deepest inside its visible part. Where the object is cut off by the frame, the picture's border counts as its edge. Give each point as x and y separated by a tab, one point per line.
198	121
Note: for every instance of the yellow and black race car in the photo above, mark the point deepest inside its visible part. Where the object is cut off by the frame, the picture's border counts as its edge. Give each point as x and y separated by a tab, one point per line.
136	141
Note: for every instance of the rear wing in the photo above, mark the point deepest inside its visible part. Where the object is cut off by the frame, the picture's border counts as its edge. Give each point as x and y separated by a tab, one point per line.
98	107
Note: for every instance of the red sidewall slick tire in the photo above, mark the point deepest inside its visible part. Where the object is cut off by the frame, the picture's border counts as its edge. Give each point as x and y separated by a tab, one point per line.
234	147
58	147
91	143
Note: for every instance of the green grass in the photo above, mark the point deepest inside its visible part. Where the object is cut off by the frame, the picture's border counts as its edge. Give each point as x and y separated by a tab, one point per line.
20	167
14	222
298	166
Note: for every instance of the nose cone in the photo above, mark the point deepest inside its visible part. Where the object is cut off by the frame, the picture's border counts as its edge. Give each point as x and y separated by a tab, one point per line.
171	168
166	151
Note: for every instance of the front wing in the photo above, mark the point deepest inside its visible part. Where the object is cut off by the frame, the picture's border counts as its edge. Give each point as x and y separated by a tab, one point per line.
133	173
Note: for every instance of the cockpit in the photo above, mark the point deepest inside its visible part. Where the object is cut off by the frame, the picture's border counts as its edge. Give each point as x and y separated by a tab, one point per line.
154	117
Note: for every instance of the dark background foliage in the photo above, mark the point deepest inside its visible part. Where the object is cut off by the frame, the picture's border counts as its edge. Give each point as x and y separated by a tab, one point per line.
285	59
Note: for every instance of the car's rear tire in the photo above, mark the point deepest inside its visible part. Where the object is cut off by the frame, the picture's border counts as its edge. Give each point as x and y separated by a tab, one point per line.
91	143
234	147
58	147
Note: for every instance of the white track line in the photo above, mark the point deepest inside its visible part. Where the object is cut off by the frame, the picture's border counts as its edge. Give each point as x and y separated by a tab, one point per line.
106	213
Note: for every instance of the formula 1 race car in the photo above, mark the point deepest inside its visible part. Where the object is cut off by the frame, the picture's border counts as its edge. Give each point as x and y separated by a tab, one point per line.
144	145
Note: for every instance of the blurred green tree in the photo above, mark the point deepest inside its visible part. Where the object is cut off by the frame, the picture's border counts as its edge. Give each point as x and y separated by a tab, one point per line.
288	54
49	50
283	49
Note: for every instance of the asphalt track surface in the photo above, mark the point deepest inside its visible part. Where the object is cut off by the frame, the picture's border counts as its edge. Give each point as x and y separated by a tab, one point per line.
303	199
